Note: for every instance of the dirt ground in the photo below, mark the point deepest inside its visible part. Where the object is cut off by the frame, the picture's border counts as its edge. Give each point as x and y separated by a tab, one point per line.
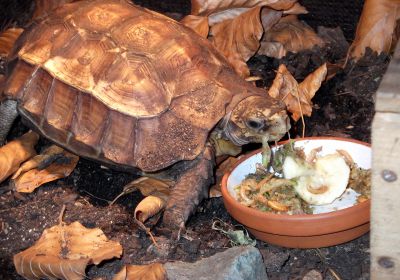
344	107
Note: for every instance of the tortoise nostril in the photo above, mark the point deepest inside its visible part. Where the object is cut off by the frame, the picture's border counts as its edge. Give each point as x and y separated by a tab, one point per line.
255	124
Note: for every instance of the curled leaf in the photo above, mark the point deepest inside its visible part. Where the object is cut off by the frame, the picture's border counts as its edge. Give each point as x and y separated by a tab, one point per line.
236	236
272	49
148	186
7	40
154	271
207	7
297	97
238	39
197	23
292	34
63	252
221	16
16	152
148	207
296	9
37	160
64	163
376	27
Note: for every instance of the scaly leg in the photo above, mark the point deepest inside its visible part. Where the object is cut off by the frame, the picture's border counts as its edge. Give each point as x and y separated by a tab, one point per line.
190	189
8	113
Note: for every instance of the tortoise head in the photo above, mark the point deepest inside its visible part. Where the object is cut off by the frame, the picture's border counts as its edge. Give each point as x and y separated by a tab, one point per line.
256	119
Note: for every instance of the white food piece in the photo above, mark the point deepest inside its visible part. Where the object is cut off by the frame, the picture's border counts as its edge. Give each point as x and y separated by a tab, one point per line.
293	168
319	183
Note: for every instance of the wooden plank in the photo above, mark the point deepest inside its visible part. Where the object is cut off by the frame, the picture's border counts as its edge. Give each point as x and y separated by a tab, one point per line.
385	204
388	99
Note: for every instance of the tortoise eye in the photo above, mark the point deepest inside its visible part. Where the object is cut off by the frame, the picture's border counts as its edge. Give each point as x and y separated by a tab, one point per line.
255	124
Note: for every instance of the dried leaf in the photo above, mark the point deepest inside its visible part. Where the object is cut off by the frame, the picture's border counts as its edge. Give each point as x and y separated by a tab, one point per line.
16	152
234	11
286	88
44	7
272	49
148	186
313	81
207	7
7	40
148	207
293	34
154	271
63	252
238	39
197	23
38	159
296	9
221	16
376	27
60	168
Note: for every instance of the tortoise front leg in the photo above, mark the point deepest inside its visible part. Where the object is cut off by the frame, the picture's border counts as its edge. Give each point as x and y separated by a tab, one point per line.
8	113
190	189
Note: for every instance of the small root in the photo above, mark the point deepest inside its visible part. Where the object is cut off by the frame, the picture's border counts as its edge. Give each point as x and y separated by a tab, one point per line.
147	230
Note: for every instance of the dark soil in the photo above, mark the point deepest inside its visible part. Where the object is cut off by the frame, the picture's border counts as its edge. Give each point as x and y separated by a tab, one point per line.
343	107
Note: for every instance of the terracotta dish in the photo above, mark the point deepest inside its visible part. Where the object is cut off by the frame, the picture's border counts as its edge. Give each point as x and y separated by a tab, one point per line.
302	231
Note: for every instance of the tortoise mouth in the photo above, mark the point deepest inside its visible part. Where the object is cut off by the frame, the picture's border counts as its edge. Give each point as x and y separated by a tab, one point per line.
229	131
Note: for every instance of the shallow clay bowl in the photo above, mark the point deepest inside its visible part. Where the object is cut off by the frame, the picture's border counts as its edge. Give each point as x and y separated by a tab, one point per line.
303	231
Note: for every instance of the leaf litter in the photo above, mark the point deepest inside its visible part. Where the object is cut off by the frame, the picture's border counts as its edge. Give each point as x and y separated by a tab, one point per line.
64	251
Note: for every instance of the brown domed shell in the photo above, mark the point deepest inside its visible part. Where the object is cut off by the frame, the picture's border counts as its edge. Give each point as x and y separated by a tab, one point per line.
121	84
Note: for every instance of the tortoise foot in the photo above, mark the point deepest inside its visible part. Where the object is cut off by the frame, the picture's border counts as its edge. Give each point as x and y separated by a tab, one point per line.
190	189
8	113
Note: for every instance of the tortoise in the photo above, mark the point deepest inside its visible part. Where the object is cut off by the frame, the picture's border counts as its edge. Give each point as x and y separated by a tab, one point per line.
136	90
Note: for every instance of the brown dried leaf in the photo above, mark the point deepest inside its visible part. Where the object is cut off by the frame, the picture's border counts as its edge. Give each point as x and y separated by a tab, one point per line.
154	271
293	34
149	186
38	159
286	88
296	9
221	16
30	180
16	152
7	40
269	18
272	49
63	252
238	39
234	11
376	27
197	23
148	207
208	7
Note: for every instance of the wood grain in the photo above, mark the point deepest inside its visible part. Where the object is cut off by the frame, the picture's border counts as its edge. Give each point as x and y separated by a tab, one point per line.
385	218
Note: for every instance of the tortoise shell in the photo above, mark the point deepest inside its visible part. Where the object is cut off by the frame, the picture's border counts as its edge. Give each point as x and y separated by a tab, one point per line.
118	83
